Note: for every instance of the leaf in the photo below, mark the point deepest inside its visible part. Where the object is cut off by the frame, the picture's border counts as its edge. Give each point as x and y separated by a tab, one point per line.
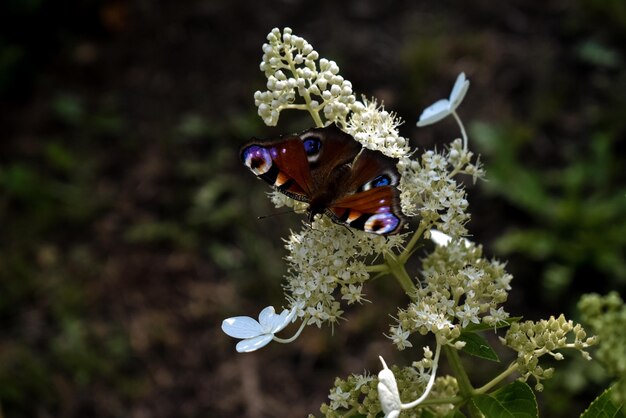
515	400
490	407
482	327
603	407
478	346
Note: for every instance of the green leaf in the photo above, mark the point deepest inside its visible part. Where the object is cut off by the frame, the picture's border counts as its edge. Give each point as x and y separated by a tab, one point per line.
490	407
478	346
482	327
515	400
603	407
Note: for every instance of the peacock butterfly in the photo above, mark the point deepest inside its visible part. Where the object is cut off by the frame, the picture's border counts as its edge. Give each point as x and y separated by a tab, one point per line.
332	172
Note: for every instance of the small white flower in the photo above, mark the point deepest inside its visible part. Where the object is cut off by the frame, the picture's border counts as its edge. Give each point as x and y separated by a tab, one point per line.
444	107
257	334
388	392
400	337
338	398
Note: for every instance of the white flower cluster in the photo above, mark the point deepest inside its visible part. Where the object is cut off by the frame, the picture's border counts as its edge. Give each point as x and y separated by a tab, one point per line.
532	340
291	67
458	287
327	258
377	129
429	189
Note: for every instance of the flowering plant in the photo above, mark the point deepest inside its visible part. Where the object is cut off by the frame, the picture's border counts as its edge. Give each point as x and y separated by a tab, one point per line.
458	292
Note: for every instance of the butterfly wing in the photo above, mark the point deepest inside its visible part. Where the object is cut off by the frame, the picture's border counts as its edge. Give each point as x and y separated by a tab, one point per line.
282	164
331	171
369	199
327	150
300	166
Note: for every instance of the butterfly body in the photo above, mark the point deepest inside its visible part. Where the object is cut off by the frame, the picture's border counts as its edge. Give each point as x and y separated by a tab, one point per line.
334	174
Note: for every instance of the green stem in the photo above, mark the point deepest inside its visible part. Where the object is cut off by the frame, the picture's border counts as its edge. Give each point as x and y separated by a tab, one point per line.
377	268
397	270
406	253
493	382
465	386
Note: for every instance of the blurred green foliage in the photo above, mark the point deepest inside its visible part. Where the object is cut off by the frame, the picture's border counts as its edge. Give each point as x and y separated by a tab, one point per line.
81	189
575	214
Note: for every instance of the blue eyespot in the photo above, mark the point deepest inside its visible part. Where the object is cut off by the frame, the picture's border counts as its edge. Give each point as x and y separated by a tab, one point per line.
312	146
382	223
257	159
383	180
379	181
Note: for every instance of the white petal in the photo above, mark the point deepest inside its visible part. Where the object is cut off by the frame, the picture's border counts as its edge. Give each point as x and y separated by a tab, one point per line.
241	327
282	320
458	91
393	414
266	318
388	391
440	238
435	112
253	344
443	240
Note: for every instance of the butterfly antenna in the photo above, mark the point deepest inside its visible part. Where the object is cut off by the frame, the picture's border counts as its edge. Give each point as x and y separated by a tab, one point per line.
271	215
348	228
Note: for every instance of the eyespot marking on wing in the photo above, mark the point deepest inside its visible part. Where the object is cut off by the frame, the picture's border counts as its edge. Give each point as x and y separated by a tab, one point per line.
388	178
257	159
312	147
381	223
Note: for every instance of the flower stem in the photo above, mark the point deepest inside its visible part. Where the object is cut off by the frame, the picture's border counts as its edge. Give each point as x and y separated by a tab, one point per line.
397	270
463	133
377	268
493	382
465	386
296	335
304	92
431	381
406	253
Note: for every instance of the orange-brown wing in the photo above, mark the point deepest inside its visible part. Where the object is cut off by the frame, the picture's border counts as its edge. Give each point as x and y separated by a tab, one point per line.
327	150
376	210
283	164
369	199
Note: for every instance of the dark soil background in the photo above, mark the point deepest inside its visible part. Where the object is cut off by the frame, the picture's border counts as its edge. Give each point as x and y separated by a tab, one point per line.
128	227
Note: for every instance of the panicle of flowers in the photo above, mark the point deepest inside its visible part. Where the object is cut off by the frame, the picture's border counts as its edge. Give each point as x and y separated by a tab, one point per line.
377	129
607	317
429	187
292	69
325	263
457	287
532	340
358	393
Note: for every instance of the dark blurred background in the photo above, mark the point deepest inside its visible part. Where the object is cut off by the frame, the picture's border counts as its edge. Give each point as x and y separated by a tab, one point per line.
128	227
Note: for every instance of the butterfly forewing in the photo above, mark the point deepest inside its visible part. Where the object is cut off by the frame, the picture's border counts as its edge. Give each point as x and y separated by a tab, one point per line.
283	164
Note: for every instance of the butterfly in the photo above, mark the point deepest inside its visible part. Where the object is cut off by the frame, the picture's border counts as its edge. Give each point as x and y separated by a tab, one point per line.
332	172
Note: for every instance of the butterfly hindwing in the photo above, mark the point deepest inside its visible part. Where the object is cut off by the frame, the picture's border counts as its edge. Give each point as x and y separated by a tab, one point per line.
375	210
370	199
